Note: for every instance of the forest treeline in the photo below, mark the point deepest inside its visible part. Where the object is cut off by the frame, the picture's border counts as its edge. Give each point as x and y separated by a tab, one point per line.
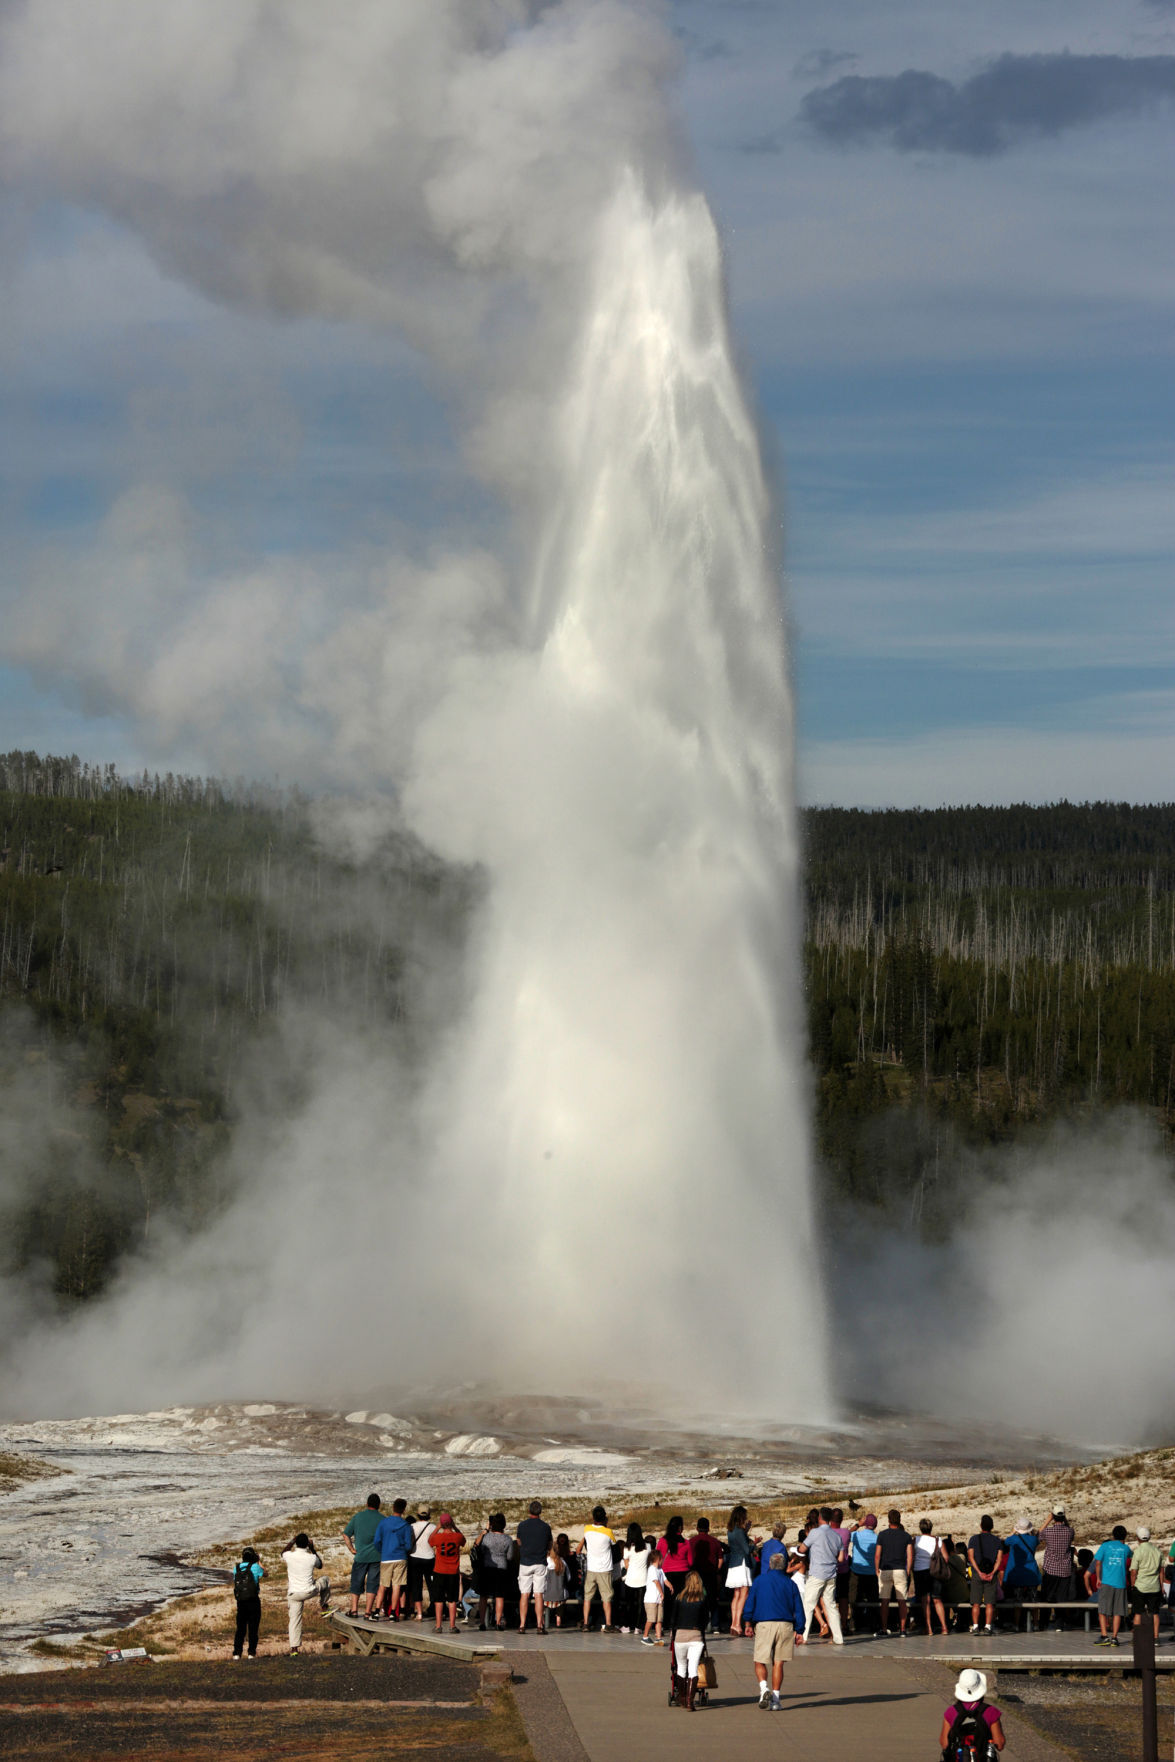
970	973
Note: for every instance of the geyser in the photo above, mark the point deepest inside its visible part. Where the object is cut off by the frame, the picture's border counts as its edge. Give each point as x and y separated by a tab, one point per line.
604	1172
624	1114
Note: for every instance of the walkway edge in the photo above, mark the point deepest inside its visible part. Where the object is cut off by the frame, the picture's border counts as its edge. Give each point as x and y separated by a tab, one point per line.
552	1736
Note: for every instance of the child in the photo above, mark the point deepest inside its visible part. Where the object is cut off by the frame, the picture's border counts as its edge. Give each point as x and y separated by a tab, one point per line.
637	1550
971	1726
656	1585
555	1591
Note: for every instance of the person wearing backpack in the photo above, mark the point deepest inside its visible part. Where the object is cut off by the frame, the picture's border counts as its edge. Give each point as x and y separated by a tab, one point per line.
971	1730
247	1576
985	1553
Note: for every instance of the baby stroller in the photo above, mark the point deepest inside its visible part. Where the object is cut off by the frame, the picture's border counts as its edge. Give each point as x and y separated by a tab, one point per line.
700	1694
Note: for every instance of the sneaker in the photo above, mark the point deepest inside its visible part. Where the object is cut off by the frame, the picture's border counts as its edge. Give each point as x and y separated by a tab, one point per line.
902	1634
250	1657
776	1703
236	1657
1114	1640
989	1633
1105	1640
626	1630
646	1639
973	1630
764	1696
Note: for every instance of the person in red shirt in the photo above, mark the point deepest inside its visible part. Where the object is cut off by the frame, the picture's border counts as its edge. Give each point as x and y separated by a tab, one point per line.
707	1557
677	1554
447	1543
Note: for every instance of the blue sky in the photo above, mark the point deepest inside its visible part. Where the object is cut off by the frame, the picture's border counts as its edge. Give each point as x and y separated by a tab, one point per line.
949	243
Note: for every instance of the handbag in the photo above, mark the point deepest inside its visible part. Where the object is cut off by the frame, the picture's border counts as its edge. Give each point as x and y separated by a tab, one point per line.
938	1566
707	1674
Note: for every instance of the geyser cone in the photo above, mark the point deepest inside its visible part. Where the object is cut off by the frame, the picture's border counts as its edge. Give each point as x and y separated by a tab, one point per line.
625	1113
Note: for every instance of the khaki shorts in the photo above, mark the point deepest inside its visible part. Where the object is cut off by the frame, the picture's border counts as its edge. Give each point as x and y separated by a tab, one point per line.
893	1579
394	1573
774	1642
596	1581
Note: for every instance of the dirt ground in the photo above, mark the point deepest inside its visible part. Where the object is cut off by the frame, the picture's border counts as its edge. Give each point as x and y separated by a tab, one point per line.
1099	1720
277	1709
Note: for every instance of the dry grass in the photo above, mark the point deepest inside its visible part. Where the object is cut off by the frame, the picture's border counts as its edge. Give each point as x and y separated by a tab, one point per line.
16	1469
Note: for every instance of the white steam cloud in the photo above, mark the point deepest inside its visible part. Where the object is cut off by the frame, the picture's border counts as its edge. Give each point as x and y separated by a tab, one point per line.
1050	1305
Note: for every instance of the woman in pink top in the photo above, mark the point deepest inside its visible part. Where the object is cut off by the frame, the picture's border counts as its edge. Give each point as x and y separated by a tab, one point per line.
677	1553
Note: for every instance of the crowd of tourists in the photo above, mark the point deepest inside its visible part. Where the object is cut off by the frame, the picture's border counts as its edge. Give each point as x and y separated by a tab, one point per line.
675	1589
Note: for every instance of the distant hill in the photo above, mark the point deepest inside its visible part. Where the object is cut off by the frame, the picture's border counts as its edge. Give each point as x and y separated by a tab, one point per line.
970	972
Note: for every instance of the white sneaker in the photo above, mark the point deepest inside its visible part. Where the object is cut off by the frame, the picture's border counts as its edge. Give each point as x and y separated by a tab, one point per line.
765	1695
776	1703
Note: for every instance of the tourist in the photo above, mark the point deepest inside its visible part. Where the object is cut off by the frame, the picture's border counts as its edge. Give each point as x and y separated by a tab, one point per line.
958	1587
969	1725
555	1587
393	1538
446	1542
930	1572
1108	1575
1021	1575
691	1613
1056	1585
359	1536
842	1571
302	1559
677	1555
825	1551
247	1576
496	1551
596	1549
707	1551
534	1546
420	1561
1146	1565
772	1546
739	1554
895	1567
572	1578
862	1567
635	1575
797	1571
984	1554
776	1613
656	1587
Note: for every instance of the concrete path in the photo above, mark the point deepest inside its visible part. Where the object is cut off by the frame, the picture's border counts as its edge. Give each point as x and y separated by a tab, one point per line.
839	1702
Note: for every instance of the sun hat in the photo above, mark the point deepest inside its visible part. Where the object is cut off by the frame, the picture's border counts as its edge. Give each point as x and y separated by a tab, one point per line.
1023	1526
1143	1533
971	1686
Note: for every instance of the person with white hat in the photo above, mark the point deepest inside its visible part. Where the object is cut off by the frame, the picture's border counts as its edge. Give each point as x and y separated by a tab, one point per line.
971	1729
1146	1567
1057	1565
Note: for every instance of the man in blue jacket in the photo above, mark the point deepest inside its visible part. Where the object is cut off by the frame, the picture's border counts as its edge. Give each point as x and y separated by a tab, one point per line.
776	1613
395	1541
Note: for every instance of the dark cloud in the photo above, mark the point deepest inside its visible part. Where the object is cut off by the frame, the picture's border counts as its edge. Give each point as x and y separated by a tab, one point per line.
820	63
1017	98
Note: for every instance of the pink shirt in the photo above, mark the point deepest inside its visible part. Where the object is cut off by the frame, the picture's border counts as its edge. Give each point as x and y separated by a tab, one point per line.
682	1557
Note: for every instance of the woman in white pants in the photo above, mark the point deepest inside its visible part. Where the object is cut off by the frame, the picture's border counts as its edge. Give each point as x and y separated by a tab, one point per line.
301	1558
691	1612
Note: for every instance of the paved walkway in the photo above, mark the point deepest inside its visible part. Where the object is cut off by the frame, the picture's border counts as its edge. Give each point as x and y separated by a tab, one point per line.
839	1702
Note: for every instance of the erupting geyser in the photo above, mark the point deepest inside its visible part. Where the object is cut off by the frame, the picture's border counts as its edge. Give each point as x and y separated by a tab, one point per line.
625	1119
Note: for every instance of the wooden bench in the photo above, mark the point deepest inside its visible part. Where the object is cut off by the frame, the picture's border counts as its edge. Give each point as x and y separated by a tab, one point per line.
365	1637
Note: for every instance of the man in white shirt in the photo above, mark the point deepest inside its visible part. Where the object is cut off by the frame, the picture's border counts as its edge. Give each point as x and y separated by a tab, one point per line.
825	1552
597	1545
301	1558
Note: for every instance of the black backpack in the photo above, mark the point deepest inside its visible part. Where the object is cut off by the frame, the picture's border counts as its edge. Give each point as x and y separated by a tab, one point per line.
244	1584
969	1739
